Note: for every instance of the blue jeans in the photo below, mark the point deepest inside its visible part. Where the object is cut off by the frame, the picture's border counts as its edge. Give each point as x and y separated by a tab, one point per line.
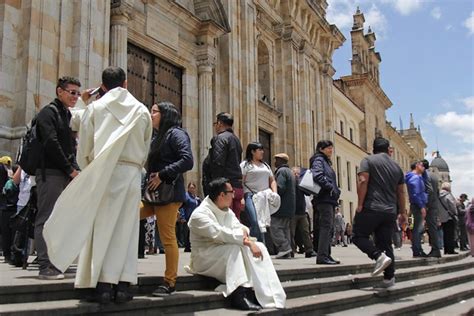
252	216
418	229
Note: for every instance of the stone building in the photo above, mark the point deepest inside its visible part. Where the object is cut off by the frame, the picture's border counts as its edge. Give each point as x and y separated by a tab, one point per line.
439	166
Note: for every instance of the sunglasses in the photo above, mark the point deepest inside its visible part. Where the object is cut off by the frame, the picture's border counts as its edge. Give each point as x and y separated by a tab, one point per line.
74	93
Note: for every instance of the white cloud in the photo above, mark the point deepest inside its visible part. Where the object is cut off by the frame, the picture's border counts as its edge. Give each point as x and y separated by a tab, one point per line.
340	12
377	21
460	126
436	13
469	23
461	170
468	102
405	7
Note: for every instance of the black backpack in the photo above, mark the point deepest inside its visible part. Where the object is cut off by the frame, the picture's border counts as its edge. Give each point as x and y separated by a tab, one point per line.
32	149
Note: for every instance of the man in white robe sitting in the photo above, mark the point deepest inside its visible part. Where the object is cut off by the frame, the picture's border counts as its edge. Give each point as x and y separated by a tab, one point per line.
97	215
222	249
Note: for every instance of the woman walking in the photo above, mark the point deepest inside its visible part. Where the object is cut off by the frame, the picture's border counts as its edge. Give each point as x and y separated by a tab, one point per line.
327	199
170	156
447	216
257	177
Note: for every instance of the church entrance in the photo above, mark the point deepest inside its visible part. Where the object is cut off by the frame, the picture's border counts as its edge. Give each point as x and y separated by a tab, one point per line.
265	139
152	79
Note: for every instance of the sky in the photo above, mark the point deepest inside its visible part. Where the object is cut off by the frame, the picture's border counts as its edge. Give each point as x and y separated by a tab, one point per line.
427	50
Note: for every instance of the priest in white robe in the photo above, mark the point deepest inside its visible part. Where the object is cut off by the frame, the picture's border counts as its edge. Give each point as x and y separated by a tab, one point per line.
97	215
222	249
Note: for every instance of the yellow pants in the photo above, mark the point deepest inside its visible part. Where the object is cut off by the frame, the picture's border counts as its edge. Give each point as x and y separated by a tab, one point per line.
166	216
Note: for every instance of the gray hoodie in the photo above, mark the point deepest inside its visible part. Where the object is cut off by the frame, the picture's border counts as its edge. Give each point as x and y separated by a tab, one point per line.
447	208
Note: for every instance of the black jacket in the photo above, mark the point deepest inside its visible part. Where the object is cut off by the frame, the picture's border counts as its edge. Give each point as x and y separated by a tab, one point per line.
225	157
57	137
324	175
3	180
173	159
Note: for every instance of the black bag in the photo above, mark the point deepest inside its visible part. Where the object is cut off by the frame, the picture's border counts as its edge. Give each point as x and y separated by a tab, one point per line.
163	195
31	153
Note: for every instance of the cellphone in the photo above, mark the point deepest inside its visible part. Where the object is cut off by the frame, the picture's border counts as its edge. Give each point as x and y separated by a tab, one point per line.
95	91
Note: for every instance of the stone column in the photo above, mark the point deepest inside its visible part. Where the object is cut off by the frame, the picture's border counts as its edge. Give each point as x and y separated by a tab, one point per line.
206	106
118	36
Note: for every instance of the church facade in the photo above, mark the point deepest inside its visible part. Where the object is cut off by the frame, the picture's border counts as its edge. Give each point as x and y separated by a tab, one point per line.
267	62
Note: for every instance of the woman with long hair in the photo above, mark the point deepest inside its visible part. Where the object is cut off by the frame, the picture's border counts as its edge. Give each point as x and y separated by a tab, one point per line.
257	176
327	199
170	156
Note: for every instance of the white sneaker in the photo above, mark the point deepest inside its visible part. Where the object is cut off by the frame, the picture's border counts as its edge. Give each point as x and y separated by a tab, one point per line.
385	284
383	261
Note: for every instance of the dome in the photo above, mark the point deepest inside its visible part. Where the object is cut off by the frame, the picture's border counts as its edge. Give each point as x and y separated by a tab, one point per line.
439	163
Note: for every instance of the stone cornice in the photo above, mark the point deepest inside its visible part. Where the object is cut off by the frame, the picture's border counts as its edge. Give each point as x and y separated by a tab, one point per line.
363	79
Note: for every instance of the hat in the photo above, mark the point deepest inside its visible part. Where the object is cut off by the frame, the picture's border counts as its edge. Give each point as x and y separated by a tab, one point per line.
282	156
5	160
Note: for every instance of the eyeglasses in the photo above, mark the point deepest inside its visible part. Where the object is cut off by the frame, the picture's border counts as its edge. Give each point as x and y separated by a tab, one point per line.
73	92
232	191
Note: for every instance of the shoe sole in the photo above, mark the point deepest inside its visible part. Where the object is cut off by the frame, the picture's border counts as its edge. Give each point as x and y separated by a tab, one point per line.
58	277
162	294
382	267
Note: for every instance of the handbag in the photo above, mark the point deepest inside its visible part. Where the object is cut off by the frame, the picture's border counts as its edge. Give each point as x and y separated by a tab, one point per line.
307	184
162	195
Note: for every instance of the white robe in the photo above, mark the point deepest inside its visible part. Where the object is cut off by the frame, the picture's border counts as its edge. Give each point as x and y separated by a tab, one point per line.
218	251
97	215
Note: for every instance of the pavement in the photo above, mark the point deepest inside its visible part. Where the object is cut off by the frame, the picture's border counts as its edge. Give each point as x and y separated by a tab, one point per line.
154	265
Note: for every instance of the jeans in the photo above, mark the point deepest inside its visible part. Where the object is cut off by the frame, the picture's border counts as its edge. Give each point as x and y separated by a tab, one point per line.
418	229
326	230
380	224
252	217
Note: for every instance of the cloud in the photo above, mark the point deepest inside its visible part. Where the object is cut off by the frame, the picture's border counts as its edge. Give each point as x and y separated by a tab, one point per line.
469	23
377	21
468	102
436	13
461	170
405	7
460	126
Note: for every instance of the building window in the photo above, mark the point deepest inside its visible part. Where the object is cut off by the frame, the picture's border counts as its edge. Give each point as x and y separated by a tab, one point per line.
342	128
349	178
351	134
338	166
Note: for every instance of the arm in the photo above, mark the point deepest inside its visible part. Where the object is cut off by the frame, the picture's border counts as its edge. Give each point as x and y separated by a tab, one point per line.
273	184
181	144
401	200
219	150
281	182
318	175
362	185
76	114
17	176
85	152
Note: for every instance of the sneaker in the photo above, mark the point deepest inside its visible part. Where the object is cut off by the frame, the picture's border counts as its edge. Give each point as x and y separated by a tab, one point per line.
382	262
164	290
50	273
283	254
385	284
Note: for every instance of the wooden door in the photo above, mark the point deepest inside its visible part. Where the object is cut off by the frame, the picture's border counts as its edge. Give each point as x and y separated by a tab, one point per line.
168	84
265	139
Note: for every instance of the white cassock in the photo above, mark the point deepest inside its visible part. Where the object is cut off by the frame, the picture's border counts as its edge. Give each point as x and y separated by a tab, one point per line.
97	215
218	251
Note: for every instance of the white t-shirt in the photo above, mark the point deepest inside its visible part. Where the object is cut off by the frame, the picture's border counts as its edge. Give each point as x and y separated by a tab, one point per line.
257	178
25	188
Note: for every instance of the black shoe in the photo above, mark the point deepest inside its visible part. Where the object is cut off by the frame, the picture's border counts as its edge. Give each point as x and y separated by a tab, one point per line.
325	261
464	249
122	293
102	294
336	261
187	249
239	300
451	253
310	254
164	290
420	255
292	254
434	254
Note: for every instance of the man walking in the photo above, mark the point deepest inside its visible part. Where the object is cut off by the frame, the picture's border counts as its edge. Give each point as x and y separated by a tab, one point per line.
58	164
418	199
461	207
432	209
380	188
224	159
114	139
280	230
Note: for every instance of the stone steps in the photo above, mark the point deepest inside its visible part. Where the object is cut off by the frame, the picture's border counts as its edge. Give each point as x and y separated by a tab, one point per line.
462	307
304	296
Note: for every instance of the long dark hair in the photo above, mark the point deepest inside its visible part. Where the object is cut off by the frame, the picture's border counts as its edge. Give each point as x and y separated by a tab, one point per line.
170	117
252	146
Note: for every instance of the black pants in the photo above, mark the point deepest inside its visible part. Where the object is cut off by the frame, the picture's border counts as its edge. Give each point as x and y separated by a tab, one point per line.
448	236
7	233
141	238
326	229
382	226
432	224
462	230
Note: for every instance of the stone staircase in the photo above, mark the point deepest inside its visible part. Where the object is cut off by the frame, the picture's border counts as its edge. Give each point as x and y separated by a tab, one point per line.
423	286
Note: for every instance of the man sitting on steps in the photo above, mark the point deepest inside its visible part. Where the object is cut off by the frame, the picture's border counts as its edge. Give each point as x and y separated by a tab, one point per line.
222	249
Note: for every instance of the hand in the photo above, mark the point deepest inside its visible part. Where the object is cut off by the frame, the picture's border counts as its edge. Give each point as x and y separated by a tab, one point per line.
423	213
154	181
74	174
246	235
85	96
359	208
256	252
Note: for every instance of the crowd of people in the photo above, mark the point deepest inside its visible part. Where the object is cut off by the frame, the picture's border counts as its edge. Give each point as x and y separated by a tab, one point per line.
110	183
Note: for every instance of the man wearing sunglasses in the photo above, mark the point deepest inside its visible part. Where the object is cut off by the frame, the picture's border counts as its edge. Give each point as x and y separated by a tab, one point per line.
58	165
